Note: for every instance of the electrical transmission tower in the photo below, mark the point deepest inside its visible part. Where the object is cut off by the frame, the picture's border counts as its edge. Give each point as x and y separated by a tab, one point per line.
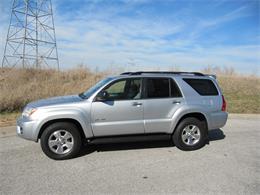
31	41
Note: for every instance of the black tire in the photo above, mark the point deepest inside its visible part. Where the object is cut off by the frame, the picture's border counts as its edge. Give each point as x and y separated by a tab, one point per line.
177	136
69	127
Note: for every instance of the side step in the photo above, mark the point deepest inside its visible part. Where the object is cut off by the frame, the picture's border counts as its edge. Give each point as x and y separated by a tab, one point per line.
129	138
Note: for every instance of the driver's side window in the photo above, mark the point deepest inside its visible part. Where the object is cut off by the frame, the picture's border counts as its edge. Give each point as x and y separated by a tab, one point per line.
125	89
116	90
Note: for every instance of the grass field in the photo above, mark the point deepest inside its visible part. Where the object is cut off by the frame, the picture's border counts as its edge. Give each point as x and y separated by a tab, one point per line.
242	93
18	87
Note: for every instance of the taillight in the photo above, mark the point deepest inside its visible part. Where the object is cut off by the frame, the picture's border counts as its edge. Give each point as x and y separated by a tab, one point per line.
224	104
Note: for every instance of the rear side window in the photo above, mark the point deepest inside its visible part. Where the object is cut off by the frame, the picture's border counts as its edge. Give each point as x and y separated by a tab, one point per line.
161	88
158	88
175	91
204	87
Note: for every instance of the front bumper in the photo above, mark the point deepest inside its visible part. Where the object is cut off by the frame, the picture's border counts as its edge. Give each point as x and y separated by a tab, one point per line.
26	128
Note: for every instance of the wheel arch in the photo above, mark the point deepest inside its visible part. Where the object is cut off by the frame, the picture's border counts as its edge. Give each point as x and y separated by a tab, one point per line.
198	115
69	120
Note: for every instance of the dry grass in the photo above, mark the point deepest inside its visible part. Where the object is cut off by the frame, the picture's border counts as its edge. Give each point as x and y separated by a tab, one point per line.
8	119
242	93
18	87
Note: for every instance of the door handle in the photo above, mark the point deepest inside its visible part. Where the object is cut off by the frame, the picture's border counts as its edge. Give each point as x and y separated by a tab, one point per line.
176	102
136	104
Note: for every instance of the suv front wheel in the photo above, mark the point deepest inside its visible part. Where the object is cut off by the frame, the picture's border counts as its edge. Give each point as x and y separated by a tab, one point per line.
190	134
61	141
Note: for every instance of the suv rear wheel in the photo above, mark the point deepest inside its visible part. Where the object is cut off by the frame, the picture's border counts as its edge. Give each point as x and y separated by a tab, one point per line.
190	134
61	141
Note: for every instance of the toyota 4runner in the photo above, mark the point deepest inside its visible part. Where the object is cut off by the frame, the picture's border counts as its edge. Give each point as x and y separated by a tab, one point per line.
182	106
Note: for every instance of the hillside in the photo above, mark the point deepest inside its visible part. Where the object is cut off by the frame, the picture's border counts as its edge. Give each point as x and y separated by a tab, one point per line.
20	86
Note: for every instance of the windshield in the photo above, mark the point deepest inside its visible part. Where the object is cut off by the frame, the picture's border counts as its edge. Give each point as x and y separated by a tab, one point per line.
93	89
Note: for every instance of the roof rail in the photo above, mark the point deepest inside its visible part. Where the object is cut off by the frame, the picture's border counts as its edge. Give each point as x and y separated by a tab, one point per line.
162	72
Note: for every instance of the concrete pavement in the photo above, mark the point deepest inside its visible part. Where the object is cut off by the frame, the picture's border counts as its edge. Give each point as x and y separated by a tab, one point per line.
229	164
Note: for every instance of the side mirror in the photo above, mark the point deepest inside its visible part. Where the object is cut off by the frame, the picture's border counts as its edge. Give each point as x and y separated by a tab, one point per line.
102	96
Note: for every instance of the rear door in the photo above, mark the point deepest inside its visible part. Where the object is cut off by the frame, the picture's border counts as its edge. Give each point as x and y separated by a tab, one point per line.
162	98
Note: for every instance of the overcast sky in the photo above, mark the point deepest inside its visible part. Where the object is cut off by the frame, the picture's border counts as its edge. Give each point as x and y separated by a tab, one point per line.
147	34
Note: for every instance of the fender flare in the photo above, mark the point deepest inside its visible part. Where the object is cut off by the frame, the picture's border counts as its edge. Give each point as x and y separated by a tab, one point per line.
181	112
43	122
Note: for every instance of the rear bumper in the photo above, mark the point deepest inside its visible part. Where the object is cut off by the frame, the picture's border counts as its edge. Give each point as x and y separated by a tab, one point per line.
25	129
217	120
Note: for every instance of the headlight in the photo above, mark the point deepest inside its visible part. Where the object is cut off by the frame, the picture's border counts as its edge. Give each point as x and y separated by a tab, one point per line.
28	112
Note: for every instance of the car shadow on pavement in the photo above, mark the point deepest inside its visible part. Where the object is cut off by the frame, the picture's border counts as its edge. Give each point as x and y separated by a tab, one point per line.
214	135
87	149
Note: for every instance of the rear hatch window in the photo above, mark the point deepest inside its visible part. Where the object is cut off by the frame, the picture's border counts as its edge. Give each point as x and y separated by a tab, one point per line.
204	87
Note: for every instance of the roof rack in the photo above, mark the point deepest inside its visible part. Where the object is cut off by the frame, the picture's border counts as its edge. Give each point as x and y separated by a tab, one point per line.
163	72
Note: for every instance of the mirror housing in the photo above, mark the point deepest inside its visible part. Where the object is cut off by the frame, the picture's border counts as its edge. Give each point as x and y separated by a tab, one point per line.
102	96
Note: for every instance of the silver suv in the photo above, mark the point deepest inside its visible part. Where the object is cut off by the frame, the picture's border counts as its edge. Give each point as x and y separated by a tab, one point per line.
181	106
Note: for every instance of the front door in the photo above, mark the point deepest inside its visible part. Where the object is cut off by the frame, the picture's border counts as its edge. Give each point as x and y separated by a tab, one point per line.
122	111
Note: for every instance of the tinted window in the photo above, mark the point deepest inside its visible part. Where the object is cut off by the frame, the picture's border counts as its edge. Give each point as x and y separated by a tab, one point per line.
158	87
175	91
204	87
125	89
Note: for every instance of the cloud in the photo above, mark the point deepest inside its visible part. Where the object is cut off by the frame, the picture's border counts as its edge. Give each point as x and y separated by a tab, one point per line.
233	15
139	35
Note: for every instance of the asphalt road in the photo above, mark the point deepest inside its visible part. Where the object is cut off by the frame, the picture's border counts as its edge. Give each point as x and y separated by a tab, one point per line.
229	164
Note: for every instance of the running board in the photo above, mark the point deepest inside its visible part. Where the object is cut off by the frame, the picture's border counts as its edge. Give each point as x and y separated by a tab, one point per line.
129	138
